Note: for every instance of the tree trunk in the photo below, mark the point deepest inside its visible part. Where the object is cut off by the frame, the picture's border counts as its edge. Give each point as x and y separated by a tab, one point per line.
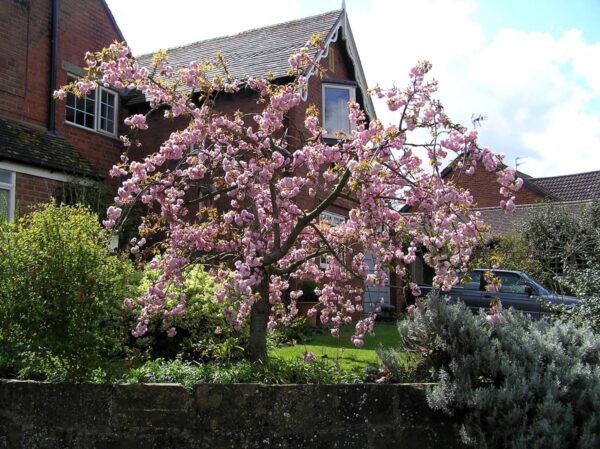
259	317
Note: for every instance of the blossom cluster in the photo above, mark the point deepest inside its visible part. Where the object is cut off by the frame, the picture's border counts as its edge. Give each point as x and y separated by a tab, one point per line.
254	230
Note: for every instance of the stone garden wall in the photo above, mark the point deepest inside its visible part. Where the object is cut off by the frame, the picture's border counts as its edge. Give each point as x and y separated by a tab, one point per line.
36	415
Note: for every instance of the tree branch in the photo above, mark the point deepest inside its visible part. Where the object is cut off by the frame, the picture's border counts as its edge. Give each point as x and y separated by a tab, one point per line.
303	222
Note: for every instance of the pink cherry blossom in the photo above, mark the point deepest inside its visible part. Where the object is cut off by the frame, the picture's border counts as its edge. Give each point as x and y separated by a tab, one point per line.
248	204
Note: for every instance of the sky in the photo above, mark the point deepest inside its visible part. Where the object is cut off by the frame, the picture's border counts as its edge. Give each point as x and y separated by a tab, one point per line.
532	68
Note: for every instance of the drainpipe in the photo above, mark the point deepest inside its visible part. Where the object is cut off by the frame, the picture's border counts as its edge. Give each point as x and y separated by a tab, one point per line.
53	56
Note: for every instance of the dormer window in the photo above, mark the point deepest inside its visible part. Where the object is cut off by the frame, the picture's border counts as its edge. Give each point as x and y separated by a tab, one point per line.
97	110
335	108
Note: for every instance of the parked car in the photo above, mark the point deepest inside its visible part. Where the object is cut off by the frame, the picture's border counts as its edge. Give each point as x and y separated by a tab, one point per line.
518	291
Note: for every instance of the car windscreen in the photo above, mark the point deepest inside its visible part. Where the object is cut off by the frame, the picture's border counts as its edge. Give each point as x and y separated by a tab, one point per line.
539	287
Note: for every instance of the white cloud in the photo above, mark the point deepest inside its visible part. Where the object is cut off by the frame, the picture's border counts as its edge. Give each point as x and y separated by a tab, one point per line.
535	90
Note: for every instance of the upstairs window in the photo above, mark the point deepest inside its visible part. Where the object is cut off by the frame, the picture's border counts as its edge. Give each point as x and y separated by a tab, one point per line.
97	110
7	195
335	108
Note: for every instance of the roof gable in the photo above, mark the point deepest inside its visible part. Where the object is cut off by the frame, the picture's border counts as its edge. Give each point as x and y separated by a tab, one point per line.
255	52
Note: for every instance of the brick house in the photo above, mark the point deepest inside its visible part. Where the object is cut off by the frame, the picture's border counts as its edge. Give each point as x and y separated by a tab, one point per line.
44	143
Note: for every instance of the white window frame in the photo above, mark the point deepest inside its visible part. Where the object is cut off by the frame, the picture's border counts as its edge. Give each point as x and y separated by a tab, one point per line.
97	108
351	97
334	220
115	95
11	187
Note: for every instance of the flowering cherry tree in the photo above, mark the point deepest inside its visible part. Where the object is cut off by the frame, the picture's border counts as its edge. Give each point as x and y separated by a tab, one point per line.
251	228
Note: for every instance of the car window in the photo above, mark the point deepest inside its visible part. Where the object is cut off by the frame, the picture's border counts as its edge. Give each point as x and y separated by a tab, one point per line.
539	289
511	283
470	281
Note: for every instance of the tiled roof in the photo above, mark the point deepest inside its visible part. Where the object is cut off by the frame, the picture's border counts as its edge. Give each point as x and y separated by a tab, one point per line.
35	146
576	187
260	51
502	223
255	52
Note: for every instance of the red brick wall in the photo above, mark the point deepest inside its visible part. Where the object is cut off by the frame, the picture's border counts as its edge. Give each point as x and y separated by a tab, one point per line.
31	190
25	33
86	26
484	188
25	59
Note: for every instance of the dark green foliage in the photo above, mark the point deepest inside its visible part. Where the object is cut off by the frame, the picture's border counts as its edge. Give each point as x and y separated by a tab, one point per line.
202	331
308	287
551	241
61	294
585	284
514	384
509	252
294	333
98	197
277	371
93	194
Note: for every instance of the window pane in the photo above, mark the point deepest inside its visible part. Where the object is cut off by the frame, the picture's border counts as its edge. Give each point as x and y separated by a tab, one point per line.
80	103
4	206
89	121
511	283
89	106
471	281
81	110
107	111
333	219
71	99
5	177
336	110
70	115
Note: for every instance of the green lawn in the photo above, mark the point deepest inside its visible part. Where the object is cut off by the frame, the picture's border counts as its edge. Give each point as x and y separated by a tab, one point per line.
341	349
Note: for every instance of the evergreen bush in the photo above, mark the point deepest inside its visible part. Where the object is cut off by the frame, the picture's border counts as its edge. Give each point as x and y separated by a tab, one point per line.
512	383
203	333
61	293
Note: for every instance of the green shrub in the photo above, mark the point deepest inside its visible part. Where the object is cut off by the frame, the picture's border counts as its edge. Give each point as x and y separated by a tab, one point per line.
277	371
509	252
202	331
292	334
585	284
561	239
517	383
61	293
550	241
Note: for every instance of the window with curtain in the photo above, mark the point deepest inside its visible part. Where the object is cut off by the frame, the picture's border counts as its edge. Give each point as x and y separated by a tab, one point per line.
335	108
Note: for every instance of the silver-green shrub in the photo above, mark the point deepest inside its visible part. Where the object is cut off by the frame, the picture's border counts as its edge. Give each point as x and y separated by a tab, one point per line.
517	383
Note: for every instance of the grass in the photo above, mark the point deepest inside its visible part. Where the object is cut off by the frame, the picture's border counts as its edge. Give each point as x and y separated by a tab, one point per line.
341	350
